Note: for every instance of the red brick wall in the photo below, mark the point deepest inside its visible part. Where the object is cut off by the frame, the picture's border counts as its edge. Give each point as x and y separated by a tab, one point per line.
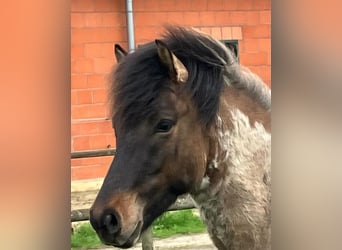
97	24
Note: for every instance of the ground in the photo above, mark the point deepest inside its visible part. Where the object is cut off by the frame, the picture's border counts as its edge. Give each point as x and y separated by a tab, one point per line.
186	242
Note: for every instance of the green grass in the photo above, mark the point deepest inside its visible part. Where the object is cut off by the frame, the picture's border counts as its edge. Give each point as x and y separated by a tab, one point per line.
84	236
169	224
180	222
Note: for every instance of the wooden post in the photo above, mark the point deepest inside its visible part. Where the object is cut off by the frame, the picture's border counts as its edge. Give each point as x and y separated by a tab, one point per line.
146	239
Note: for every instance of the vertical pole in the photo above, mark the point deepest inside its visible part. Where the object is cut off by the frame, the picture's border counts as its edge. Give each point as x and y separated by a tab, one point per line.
147	240
130	25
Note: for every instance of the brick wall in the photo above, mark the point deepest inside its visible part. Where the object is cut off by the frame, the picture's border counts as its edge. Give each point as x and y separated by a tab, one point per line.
97	24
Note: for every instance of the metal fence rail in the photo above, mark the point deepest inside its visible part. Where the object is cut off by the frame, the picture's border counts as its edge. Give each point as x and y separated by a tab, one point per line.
93	153
183	202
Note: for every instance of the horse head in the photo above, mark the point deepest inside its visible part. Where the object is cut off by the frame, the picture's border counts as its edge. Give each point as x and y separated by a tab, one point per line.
161	147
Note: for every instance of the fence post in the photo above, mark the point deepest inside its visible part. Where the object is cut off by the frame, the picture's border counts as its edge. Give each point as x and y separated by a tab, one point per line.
146	239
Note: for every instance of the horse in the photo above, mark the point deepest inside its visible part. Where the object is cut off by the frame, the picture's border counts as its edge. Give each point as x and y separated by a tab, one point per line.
188	118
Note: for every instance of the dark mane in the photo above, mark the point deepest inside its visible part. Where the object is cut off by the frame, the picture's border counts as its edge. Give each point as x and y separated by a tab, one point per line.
139	78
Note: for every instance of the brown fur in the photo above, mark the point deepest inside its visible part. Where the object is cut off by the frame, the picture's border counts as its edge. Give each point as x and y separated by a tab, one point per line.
242	99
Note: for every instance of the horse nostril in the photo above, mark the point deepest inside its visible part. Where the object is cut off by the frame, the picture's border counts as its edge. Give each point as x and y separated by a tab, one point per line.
111	223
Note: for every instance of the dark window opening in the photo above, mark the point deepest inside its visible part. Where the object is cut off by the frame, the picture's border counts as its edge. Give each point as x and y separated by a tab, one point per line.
233	45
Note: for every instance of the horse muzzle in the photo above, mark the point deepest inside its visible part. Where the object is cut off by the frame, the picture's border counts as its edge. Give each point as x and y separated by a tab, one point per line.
116	223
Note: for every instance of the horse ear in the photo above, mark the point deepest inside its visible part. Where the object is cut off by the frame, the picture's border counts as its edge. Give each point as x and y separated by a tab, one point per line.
119	52
176	68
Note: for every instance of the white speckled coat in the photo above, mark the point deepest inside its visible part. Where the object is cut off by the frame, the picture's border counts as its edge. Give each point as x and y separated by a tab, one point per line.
236	206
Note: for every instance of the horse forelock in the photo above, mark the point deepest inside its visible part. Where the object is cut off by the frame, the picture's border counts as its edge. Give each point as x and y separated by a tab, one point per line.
140	77
135	85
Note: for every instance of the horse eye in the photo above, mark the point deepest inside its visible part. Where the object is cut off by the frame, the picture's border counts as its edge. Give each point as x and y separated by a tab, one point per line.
164	125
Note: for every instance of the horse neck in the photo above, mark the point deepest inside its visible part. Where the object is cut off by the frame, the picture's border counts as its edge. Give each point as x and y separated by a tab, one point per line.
241	119
245	101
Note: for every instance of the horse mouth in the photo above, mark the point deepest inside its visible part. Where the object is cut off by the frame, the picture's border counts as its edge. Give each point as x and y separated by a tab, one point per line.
131	240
